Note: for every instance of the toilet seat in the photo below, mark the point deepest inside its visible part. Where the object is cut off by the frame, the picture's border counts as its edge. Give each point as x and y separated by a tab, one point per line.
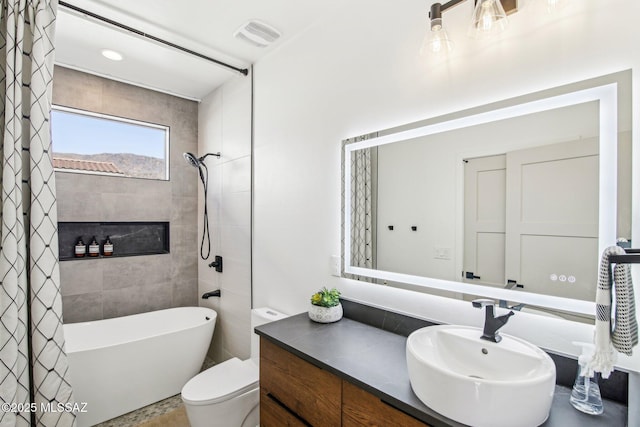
221	382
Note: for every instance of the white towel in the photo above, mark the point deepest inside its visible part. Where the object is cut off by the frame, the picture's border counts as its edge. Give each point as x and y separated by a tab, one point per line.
625	331
625	328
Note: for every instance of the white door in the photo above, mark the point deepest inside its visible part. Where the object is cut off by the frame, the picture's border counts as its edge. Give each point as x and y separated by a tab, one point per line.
551	244
484	220
531	217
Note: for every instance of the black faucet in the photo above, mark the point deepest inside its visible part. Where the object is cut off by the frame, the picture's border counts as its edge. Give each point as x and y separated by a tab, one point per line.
210	294
491	323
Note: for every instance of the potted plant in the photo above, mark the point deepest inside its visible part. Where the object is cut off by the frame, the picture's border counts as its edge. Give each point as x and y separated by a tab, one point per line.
325	306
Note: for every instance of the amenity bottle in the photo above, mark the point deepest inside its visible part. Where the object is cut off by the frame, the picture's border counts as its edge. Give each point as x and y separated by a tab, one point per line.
94	248
107	248
80	248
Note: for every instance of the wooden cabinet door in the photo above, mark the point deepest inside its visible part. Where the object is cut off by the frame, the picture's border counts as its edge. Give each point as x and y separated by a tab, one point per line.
312	394
361	408
273	414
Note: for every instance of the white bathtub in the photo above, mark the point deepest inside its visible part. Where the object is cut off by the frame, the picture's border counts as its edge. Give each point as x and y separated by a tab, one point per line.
118	365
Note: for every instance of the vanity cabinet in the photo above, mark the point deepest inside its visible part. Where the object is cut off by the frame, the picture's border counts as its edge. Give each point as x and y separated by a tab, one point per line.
274	413
294	392
361	408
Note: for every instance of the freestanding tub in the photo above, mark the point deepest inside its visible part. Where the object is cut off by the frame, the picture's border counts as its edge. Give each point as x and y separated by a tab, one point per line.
118	365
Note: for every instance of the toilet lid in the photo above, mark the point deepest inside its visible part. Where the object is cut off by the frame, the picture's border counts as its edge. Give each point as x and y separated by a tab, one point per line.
221	382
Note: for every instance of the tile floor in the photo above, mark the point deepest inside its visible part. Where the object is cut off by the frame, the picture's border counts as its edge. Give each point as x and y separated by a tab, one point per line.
149	412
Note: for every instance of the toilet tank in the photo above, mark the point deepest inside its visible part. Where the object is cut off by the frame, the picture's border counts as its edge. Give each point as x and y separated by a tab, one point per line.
260	316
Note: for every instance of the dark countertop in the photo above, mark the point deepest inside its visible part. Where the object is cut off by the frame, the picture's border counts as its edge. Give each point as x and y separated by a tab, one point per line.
375	360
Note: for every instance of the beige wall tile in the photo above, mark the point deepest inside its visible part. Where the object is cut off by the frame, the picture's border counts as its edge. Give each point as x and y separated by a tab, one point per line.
129	285
81	277
139	298
224	124
82	307
126	272
184	292
236	333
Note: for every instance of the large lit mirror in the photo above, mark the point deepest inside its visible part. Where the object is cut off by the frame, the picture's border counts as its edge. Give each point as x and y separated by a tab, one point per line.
513	201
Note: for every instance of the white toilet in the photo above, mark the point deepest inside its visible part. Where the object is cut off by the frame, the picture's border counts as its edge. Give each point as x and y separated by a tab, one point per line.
228	394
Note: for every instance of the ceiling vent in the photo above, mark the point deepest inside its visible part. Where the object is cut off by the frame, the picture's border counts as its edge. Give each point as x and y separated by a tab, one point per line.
257	33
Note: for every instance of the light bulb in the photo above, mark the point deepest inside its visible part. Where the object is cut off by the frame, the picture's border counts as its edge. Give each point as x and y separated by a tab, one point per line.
553	5
439	42
488	18
436	40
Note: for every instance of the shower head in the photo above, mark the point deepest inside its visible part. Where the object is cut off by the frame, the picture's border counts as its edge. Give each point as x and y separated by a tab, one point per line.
196	162
192	159
203	171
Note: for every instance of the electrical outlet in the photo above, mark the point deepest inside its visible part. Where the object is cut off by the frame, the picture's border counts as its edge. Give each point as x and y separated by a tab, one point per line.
442	253
334	265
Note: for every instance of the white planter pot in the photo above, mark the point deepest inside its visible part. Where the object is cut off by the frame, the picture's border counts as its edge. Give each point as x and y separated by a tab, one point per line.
325	314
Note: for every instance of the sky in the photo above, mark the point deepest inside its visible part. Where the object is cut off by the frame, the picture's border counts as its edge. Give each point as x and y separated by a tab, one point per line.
84	134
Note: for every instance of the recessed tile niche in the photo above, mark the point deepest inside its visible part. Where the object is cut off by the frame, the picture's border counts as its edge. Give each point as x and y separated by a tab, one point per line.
128	238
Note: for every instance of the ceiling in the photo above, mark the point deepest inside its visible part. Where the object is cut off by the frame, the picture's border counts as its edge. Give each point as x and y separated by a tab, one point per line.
204	26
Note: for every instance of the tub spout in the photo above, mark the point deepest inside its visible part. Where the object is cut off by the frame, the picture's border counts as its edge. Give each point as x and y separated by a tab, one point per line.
210	294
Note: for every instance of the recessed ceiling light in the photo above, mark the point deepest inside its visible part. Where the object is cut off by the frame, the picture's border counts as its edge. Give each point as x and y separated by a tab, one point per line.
112	55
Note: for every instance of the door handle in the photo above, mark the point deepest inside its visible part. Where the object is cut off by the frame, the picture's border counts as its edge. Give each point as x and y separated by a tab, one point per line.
470	275
513	284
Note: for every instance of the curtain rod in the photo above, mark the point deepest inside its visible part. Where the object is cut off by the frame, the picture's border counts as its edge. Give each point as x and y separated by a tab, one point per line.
243	71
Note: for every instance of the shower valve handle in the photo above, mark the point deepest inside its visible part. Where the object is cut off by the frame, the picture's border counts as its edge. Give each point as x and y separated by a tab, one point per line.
217	264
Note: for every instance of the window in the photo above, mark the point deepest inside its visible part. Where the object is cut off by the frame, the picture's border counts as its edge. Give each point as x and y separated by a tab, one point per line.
92	143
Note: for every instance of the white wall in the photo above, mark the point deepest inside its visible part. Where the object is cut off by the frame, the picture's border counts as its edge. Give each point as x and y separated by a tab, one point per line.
359	72
224	125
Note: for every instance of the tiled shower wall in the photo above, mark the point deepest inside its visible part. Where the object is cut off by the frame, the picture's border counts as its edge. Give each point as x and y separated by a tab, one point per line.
104	288
224	125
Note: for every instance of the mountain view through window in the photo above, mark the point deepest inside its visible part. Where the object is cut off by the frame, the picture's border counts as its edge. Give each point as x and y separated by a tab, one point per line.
92	143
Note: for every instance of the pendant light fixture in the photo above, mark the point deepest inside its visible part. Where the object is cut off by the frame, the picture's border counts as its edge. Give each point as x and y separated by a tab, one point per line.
437	39
554	5
489	18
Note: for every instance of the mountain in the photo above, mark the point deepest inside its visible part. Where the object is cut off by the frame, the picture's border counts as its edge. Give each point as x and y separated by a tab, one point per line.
133	165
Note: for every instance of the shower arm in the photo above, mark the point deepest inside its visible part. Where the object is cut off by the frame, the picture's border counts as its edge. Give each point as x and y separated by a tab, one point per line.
209	154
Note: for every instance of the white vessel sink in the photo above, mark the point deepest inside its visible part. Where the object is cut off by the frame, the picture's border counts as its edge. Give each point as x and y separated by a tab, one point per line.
477	382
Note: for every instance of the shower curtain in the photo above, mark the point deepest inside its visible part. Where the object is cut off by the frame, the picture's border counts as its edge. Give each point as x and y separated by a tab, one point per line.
34	385
363	206
361	248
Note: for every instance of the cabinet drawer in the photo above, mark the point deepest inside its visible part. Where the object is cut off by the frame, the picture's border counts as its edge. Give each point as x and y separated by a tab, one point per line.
311	393
361	408
272	414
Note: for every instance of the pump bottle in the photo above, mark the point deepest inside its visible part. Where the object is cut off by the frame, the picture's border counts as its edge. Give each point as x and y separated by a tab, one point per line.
585	395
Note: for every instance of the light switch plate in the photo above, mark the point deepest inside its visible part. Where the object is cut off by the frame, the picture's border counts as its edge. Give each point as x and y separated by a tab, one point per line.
442	253
334	265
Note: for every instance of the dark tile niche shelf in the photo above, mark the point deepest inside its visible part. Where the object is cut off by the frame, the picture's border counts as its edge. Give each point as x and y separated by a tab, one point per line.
128	238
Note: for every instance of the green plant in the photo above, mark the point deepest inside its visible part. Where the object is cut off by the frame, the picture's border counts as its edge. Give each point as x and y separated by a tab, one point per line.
326	298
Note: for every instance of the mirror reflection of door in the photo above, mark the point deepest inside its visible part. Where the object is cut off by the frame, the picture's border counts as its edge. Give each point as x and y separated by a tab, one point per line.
484	220
549	224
